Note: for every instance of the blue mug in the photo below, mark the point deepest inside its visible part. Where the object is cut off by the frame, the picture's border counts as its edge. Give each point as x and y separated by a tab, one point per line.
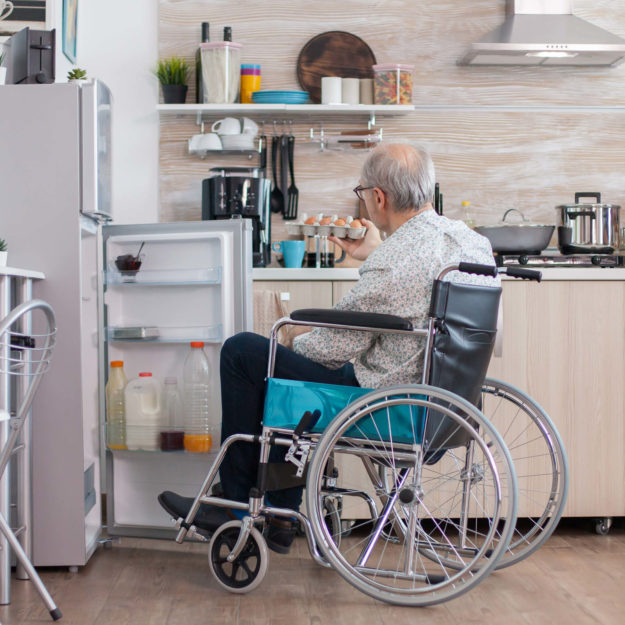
292	252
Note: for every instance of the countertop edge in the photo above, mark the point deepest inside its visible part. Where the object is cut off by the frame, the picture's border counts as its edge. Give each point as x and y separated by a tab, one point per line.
16	272
338	274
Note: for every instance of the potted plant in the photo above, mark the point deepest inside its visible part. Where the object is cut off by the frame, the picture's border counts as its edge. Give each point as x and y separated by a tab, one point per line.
172	74
3	70
77	75
3	253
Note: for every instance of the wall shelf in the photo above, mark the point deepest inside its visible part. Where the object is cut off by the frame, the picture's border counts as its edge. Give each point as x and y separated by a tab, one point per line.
201	110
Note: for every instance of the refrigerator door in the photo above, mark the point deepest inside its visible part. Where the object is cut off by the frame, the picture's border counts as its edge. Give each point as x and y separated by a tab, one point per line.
193	284
95	130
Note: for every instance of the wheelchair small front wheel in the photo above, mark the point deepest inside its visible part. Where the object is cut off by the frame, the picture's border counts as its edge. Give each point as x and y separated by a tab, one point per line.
248	570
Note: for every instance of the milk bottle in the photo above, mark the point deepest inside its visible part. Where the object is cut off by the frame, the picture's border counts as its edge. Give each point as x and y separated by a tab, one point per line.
144	418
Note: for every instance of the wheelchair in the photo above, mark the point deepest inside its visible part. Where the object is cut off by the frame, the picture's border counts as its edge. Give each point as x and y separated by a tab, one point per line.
412	491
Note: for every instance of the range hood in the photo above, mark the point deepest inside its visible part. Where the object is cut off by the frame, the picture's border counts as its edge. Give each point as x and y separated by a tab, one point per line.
545	32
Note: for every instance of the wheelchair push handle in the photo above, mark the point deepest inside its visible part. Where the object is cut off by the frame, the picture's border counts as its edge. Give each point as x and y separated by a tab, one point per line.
480	270
524	274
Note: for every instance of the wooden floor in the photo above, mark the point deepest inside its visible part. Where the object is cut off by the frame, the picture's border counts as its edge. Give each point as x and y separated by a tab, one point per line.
577	578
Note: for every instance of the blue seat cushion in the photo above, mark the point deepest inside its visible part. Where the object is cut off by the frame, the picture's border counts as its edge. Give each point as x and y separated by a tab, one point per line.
286	401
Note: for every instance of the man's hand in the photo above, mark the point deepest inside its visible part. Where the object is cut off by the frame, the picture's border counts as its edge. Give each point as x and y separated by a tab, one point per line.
361	248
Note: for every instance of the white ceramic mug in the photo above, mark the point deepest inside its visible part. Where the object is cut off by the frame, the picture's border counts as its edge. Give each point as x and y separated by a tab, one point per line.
6	8
237	142
331	90
208	141
227	126
249	127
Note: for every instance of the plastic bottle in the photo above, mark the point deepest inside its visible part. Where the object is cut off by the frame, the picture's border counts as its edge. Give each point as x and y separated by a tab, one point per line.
466	214
116	406
172	436
198	424
199	83
144	415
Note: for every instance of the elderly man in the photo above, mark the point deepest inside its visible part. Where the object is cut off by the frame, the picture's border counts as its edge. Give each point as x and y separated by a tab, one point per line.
397	187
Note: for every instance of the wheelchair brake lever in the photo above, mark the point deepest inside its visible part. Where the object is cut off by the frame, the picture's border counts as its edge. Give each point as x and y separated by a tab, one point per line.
308	420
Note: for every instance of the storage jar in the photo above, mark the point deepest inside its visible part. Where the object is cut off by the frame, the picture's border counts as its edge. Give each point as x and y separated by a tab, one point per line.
392	83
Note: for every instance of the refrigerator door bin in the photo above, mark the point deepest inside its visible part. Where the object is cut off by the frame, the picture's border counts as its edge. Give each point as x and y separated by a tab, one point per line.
208	334
162	439
162	277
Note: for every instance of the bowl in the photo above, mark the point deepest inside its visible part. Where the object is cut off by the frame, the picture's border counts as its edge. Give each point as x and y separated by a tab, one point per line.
128	264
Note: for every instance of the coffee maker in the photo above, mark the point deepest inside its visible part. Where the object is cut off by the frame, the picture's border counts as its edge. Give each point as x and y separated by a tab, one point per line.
241	192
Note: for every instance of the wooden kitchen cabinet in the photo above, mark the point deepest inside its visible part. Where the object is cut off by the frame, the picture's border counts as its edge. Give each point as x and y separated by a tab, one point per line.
340	288
563	344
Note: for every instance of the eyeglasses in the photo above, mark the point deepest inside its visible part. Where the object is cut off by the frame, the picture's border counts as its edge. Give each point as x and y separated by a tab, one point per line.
358	191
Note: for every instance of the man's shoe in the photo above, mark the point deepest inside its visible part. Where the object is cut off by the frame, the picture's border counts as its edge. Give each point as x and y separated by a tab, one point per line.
280	534
208	517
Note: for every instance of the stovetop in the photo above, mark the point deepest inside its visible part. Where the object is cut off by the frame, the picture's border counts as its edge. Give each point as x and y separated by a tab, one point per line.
556	259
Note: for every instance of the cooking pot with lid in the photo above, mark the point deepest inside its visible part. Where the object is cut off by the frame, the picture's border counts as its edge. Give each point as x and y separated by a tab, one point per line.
517	238
588	228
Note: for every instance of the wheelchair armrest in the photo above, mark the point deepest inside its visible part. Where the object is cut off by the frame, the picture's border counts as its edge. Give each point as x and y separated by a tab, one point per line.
351	318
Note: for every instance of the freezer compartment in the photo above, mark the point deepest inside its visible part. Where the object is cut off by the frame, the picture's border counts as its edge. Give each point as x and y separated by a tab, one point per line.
162	277
208	334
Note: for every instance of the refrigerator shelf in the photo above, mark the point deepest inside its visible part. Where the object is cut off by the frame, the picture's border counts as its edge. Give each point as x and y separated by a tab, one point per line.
165	334
162	277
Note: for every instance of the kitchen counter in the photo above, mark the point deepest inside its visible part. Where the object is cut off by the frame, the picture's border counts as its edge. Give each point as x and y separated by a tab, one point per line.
338	274
16	272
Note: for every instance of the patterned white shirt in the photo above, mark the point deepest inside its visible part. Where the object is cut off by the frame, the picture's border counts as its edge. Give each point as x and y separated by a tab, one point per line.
397	279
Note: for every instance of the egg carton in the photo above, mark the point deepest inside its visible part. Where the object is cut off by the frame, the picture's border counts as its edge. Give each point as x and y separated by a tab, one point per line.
310	230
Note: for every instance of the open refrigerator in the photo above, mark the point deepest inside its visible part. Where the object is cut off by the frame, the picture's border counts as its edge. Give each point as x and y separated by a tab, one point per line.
194	284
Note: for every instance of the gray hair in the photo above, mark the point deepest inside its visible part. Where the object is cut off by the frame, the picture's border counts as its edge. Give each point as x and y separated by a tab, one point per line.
405	173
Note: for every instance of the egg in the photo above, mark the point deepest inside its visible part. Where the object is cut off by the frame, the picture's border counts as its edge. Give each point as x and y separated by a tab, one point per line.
339	222
356	223
326	221
310	221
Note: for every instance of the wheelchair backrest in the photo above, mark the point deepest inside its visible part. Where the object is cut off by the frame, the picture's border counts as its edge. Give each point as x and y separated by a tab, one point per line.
466	324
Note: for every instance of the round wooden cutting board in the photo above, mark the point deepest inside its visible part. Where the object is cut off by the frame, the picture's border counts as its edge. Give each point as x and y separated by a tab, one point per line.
335	53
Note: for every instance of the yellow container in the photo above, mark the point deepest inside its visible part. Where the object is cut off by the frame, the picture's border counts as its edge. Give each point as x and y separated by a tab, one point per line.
250	82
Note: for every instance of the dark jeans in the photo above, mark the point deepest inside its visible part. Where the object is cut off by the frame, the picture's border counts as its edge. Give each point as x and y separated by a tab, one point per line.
243	369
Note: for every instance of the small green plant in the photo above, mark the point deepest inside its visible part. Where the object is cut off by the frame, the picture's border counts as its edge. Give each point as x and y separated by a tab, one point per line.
173	71
3	245
77	74
2	55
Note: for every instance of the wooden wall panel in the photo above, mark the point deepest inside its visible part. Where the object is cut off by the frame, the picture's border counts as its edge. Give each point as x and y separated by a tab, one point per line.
531	160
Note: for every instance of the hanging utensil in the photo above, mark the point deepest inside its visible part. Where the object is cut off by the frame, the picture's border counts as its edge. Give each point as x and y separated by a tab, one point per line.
284	172
293	191
262	154
277	197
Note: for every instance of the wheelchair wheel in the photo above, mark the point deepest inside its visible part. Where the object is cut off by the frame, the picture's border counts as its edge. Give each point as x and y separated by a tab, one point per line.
540	462
430	486
247	571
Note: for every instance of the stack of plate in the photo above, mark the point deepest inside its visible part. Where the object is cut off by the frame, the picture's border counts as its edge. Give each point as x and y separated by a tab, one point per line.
280	97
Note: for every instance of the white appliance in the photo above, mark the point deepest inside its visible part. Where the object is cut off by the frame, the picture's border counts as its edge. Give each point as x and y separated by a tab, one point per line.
194	284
